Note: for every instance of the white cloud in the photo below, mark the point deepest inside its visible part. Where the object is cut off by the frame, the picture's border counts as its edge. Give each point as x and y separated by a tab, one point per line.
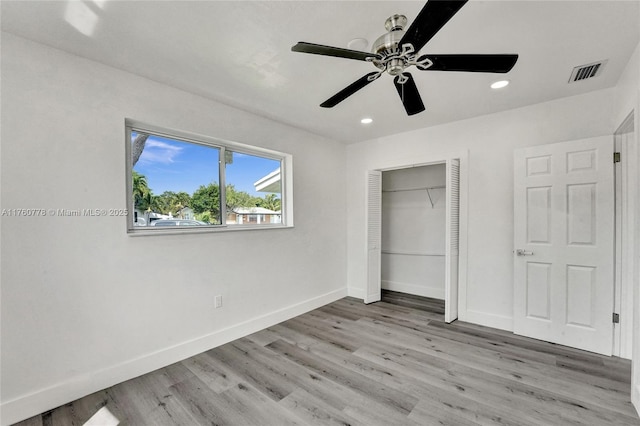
159	152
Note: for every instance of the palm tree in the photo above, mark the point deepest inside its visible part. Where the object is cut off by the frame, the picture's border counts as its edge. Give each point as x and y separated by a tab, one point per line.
141	190
152	203
271	202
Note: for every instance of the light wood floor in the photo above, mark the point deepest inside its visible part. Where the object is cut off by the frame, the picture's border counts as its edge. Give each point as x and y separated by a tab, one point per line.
391	363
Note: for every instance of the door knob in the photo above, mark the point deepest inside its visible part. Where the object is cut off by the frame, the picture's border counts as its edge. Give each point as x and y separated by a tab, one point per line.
521	252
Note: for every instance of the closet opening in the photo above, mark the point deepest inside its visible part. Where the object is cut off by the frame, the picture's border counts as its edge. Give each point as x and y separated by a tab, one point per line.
413	245
413	232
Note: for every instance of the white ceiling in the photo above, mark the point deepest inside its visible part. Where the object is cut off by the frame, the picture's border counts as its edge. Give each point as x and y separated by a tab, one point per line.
238	53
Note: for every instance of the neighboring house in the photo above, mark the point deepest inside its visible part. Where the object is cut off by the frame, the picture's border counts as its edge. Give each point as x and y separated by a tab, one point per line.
253	215
185	213
139	218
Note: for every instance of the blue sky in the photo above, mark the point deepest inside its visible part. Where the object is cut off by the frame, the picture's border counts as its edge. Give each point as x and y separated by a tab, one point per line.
172	165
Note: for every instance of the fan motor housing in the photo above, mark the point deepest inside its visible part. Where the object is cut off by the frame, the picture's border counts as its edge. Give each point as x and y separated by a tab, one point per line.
388	42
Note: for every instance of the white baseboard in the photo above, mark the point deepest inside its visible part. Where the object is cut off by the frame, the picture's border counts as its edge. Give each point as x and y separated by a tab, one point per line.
29	405
417	290
358	293
488	320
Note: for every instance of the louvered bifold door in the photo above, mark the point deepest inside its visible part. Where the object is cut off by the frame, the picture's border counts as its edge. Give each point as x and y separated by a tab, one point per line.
452	240
374	235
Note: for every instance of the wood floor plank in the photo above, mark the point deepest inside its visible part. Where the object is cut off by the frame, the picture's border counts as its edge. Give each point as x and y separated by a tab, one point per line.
440	377
323	332
603	376
395	362
446	407
204	405
75	413
214	374
413	301
66	414
408	319
393	400
148	400
340	313
457	413
371	413
596	371
269	382
564	408
314	411
522	370
264	337
330	393
83	409
292	336
506	352
571	358
386	310
255	408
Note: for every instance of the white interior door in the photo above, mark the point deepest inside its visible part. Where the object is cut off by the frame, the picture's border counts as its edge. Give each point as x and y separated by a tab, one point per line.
452	239
374	235
564	235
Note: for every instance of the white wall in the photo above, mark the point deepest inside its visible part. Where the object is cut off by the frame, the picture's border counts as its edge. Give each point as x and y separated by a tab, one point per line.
413	231
490	141
79	310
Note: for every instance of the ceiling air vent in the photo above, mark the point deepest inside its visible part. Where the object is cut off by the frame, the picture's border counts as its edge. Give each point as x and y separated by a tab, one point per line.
584	72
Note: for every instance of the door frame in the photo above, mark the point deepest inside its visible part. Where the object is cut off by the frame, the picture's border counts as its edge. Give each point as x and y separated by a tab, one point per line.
626	227
427	160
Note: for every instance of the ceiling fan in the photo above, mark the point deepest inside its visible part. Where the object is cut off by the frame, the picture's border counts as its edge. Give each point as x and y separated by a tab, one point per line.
397	50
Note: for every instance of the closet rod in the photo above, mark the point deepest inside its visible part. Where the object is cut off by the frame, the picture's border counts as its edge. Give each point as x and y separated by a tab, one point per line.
425	188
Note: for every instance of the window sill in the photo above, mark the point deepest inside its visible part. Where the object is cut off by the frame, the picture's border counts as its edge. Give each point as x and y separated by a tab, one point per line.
150	230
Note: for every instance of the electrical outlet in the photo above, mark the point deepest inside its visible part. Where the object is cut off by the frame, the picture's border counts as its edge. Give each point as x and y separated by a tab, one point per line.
218	302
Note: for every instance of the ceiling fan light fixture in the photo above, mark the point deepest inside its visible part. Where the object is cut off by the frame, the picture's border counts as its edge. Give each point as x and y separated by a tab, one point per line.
499	84
366	120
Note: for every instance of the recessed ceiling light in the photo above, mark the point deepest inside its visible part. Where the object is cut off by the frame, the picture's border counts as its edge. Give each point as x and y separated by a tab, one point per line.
366	120
500	84
358	44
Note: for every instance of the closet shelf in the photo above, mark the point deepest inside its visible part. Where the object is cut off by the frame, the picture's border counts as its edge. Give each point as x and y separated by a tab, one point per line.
424	188
411	253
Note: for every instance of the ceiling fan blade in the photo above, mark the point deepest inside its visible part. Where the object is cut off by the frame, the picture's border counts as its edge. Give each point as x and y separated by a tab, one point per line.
429	21
350	90
501	63
409	94
319	49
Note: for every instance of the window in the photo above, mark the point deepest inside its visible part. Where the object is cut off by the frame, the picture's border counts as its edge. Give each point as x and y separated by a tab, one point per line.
179	181
263	176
